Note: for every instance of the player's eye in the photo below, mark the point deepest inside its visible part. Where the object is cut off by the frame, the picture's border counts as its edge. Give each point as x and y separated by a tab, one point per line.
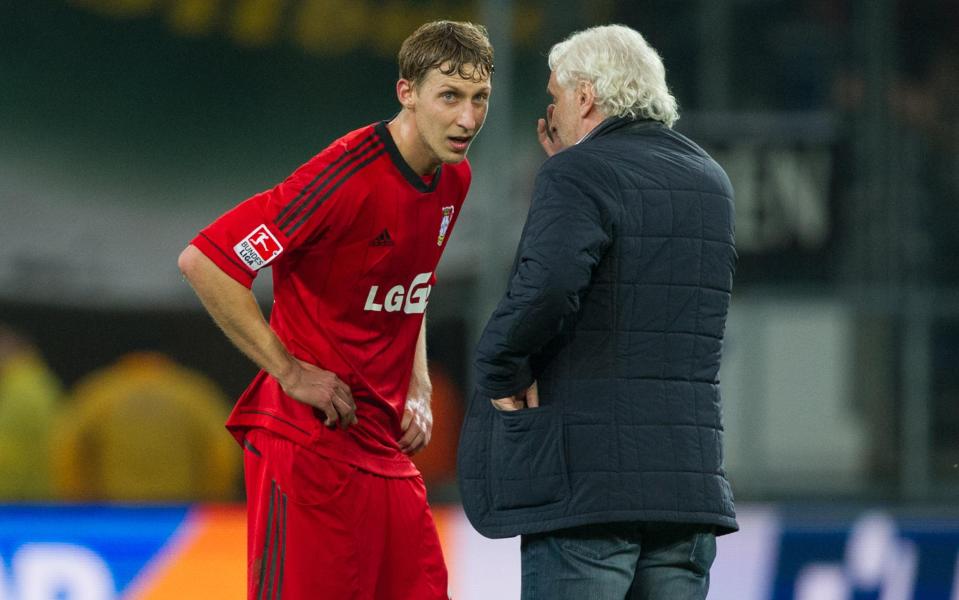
448	96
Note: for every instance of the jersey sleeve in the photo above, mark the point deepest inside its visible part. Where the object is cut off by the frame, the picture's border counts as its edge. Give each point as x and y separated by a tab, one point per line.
268	227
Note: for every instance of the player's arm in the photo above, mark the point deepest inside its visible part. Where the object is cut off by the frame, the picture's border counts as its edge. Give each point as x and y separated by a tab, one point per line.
417	422
234	308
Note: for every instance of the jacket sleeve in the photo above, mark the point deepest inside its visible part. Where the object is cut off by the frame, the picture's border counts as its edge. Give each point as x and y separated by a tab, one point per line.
566	234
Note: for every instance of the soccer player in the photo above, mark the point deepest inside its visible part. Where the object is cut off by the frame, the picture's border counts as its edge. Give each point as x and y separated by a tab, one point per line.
336	508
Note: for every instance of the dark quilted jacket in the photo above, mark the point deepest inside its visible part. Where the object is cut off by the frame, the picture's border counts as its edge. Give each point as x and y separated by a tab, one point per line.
617	306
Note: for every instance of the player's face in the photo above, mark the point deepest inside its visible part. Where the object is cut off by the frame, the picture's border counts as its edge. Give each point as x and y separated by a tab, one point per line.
563	115
450	111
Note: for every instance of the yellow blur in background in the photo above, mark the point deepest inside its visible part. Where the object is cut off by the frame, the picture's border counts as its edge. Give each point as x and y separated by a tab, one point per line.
145	429
30	397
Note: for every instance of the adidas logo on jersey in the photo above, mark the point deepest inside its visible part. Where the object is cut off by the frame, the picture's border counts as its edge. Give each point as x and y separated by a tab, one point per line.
383	239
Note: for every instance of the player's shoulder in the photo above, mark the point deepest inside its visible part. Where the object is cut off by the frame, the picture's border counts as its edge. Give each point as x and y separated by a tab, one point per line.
337	165
461	172
454	182
356	143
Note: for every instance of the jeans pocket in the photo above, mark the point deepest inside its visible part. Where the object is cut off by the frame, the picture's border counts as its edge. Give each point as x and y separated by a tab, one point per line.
594	542
528	467
702	553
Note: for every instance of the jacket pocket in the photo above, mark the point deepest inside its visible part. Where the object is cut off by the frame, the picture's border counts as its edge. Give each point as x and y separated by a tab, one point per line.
527	460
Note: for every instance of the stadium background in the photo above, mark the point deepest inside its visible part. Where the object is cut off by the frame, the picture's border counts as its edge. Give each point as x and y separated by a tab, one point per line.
125	125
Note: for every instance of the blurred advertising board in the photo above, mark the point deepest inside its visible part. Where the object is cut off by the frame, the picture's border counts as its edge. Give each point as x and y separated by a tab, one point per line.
105	552
154	553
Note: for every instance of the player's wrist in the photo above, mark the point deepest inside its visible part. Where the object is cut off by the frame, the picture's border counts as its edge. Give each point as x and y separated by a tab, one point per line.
289	376
420	396
420	386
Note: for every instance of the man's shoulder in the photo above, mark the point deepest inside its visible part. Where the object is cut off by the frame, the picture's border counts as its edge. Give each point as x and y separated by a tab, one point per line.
358	141
337	166
579	160
461	172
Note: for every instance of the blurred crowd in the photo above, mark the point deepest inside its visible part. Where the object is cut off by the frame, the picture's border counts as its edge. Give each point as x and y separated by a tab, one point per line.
142	429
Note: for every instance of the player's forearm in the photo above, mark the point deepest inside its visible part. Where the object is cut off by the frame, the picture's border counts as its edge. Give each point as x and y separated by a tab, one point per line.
417	423
234	309
420	382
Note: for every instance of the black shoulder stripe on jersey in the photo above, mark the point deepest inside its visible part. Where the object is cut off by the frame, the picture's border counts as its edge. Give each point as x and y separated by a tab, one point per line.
307	188
294	215
225	254
319	202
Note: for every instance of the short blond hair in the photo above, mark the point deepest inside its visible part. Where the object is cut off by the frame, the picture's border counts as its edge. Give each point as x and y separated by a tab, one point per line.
451	46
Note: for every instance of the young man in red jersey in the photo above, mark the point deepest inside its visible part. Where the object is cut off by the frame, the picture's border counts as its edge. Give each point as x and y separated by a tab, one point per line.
336	507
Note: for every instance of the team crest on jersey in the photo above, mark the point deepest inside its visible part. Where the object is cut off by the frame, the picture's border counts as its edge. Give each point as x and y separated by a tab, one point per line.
258	248
444	224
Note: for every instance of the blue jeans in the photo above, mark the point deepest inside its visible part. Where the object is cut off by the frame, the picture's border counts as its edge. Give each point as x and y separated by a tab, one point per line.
619	561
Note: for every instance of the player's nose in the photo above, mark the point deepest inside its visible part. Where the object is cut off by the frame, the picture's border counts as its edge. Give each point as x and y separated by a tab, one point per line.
469	118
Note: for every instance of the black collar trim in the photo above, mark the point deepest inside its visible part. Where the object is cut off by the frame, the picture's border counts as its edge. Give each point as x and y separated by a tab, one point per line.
408	173
611	124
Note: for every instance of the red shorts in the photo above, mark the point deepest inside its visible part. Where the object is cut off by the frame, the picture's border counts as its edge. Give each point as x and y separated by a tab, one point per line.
323	529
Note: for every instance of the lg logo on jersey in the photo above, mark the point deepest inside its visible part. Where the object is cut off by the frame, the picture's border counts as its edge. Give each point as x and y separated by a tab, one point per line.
397	298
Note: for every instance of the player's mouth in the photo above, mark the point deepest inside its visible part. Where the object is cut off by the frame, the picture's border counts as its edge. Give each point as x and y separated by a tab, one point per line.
460	143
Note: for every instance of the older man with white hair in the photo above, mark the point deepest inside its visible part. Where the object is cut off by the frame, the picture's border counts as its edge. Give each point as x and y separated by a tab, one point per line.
595	430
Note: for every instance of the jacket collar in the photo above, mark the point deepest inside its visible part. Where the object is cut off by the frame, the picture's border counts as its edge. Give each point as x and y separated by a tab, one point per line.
611	124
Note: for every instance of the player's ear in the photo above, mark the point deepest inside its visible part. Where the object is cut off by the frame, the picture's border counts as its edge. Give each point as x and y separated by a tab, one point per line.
404	93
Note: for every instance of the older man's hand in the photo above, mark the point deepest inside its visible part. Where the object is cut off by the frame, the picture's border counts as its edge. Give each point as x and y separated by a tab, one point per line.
526	399
547	134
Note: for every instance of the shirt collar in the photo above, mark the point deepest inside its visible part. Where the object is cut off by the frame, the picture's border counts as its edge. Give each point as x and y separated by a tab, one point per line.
408	173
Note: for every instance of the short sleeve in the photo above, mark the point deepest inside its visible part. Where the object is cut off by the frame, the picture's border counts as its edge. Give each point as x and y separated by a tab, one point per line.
266	228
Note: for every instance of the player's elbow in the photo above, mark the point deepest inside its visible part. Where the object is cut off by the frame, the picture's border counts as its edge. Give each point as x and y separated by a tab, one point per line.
189	261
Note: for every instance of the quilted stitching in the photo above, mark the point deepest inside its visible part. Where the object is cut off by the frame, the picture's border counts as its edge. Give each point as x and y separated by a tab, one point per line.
635	373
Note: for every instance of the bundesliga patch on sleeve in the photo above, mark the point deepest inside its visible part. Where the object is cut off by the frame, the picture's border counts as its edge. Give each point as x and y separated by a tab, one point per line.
258	248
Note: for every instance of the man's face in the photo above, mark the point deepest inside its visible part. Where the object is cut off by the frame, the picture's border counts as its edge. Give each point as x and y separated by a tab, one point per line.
562	115
449	112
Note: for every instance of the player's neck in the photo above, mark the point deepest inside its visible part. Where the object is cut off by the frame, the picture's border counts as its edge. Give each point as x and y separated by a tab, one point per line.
410	144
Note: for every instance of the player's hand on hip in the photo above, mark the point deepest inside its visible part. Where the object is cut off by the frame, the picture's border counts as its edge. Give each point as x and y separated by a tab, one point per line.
323	390
417	424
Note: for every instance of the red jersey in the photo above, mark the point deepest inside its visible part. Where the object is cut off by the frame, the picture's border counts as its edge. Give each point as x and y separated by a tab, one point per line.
353	237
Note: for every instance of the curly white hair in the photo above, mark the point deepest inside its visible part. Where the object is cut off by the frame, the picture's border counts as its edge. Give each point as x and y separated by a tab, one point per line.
627	74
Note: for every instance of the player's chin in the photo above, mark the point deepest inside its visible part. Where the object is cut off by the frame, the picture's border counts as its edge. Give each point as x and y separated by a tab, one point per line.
452	157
